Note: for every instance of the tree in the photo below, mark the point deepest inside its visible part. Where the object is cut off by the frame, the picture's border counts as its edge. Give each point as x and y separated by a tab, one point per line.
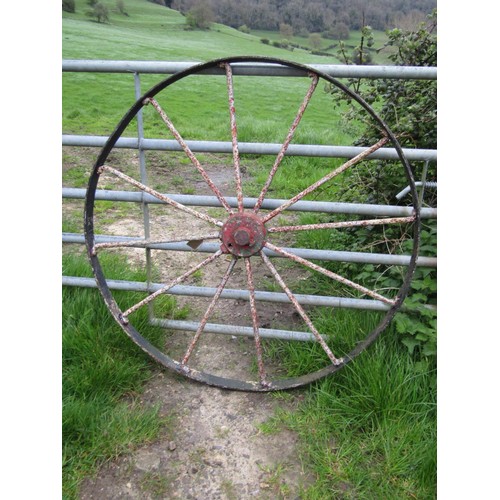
99	12
361	54
68	5
339	31
286	31
200	16
120	5
315	41
409	108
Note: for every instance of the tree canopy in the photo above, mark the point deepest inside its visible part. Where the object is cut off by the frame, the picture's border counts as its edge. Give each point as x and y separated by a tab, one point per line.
313	16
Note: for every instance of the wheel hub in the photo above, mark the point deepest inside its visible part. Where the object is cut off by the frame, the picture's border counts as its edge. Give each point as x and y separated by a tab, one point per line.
243	235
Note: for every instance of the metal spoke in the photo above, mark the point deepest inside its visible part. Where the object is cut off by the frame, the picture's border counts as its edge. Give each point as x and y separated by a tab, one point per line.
209	311
255	323
330	274
326	178
162	197
189	153
147	243
168	286
288	139
300	310
234	137
338	225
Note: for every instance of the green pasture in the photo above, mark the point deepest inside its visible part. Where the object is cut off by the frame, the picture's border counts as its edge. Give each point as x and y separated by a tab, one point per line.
94	103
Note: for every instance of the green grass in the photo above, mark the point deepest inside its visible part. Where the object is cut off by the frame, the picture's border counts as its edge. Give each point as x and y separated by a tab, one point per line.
103	374
94	103
369	431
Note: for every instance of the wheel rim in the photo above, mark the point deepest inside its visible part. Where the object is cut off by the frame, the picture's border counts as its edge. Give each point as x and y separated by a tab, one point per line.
243	235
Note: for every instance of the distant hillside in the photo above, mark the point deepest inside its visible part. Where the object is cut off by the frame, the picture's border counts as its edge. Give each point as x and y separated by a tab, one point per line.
153	32
147	30
314	16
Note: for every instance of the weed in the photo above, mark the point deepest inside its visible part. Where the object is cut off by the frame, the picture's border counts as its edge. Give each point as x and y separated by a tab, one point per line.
229	490
274	480
155	483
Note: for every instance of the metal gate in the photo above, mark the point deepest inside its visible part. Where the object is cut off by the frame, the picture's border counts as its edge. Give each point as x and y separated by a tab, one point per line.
241	235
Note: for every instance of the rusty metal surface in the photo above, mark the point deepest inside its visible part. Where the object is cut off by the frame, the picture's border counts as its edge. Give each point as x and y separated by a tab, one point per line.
169	285
326	178
300	310
160	196
234	136
342	224
243	235
189	153
255	325
288	139
208	312
194	242
330	274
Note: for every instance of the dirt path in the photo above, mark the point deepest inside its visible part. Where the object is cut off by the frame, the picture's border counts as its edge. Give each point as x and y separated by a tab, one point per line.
215	449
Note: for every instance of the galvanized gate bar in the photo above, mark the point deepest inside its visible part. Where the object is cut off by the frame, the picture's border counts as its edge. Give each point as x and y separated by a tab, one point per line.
305	253
306	150
243	331
250	69
260	148
268	204
230	293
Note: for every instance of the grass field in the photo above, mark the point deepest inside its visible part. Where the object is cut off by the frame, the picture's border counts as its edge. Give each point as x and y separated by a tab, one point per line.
369	432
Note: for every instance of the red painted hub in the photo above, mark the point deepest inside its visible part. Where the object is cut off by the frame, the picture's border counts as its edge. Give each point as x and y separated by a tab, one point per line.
243	235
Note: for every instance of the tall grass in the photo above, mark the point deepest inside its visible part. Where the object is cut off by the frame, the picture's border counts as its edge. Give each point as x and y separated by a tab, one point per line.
369	431
103	374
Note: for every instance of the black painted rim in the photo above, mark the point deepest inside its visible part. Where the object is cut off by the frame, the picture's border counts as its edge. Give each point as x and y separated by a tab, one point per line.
144	344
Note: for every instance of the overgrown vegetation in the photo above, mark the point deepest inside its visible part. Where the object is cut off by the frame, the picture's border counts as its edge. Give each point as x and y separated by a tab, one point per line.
409	107
370	431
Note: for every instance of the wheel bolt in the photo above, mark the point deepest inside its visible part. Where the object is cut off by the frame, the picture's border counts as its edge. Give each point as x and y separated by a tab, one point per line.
242	237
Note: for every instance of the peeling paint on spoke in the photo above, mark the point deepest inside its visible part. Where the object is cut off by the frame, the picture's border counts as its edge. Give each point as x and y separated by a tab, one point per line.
160	196
255	323
288	139
146	243
326	178
168	286
209	311
234	136
300	310
189	153
330	274
342	224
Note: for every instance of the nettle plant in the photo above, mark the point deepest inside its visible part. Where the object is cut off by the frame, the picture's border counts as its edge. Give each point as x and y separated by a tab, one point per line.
409	109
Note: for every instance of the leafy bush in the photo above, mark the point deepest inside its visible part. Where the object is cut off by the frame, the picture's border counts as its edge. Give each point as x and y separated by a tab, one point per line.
200	16
409	109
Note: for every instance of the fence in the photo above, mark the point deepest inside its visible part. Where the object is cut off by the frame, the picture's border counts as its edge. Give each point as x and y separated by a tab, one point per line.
142	144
